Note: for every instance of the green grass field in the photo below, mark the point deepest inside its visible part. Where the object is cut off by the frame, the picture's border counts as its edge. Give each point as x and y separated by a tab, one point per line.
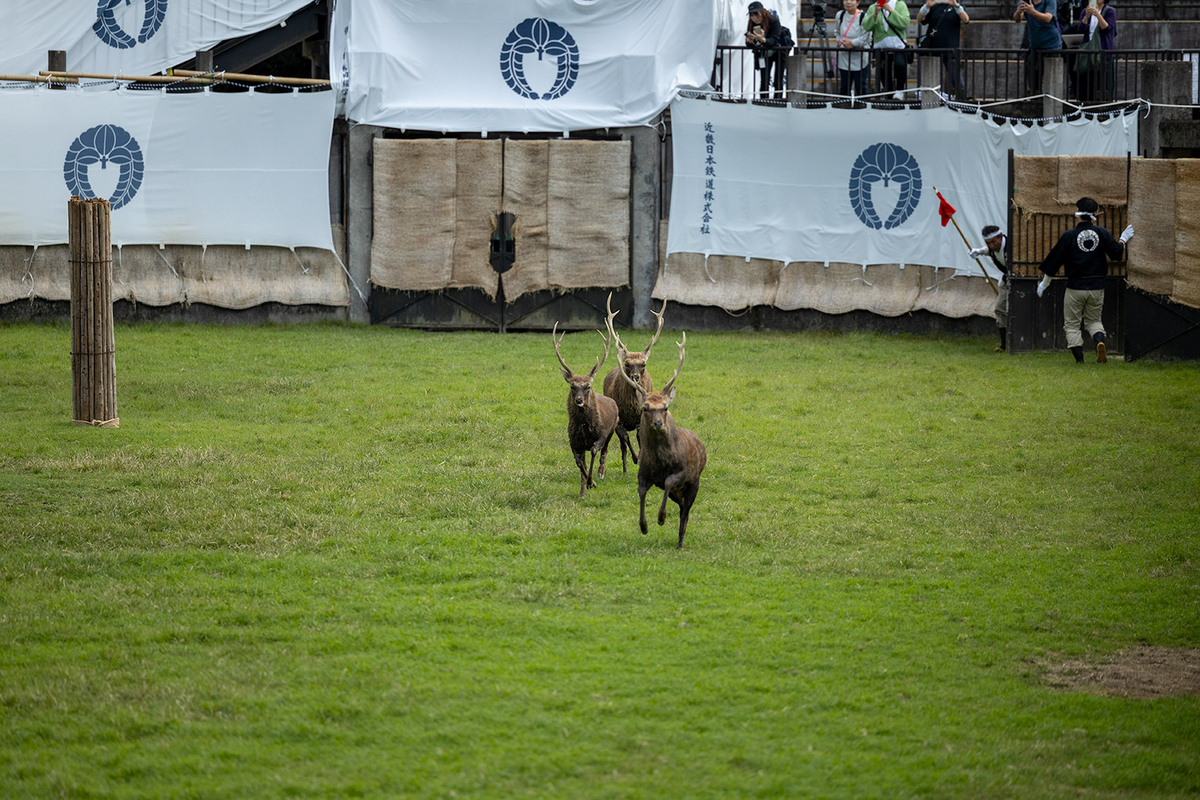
339	561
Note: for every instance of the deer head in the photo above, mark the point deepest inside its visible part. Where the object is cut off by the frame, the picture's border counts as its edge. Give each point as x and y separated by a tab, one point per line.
581	385
633	364
656	405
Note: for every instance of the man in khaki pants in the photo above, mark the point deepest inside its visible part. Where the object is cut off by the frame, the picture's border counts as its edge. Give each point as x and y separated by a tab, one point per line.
1081	251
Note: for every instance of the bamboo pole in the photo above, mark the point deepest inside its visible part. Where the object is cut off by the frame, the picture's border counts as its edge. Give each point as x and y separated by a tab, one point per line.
184	76
93	346
991	282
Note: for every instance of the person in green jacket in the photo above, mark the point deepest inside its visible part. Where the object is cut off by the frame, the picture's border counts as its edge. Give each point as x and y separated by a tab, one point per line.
887	20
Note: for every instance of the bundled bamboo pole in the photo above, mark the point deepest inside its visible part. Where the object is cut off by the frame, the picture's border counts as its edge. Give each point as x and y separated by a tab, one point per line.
93	348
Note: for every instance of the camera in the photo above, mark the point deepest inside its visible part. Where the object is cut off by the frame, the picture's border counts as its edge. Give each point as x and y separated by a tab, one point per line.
818	13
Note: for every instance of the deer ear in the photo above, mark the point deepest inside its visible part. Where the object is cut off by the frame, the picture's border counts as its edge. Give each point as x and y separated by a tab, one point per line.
567	375
670	396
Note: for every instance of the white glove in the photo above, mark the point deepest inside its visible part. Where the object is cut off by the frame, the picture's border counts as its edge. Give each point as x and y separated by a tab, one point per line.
1126	234
1041	287
978	251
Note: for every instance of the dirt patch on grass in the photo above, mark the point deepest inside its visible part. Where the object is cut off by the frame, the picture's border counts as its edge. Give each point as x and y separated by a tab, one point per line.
1143	672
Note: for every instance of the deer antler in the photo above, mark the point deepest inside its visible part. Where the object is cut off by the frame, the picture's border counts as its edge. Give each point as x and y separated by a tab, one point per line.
600	361
621	349
638	389
678	369
556	339
660	314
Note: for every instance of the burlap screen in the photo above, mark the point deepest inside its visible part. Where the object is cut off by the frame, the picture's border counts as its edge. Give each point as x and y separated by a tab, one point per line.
1164	257
889	290
225	276
436	202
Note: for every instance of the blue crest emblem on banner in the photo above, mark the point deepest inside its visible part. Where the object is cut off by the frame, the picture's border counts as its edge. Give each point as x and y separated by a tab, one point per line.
104	145
887	163
546	38
112	34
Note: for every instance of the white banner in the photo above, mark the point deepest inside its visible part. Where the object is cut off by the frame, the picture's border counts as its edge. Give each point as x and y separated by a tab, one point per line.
518	65
130	37
854	186
178	168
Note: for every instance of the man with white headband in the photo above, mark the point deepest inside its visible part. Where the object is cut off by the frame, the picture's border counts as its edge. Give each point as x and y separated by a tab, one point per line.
994	242
1081	251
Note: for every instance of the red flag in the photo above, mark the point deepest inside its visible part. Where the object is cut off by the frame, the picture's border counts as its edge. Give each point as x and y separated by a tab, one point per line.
945	209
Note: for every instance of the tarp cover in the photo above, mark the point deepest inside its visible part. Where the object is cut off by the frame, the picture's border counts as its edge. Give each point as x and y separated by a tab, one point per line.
131	37
518	65
178	168
852	186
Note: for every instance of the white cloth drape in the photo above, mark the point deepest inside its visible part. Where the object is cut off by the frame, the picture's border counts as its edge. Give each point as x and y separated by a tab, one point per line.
194	168
857	186
518	65
130	37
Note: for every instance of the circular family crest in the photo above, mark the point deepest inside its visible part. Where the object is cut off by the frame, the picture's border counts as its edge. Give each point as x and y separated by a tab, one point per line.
104	145
1088	240
112	34
887	163
546	38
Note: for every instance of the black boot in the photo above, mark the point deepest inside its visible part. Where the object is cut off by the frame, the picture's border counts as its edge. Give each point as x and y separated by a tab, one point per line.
1078	353
1101	350
1003	340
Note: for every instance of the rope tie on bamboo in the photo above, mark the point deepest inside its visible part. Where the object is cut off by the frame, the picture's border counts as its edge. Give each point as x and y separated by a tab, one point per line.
863	277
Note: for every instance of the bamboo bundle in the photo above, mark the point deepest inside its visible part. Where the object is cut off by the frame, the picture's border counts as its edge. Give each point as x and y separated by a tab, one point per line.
93	349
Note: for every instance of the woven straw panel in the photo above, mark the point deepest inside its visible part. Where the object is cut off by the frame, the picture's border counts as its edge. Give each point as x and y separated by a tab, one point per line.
1035	185
882	289
955	296
588	214
477	201
526	176
222	276
26	273
1152	204
1187	233
725	281
1101	178
414	216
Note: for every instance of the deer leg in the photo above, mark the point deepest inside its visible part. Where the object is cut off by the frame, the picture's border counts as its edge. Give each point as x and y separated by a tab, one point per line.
668	485
583	476
638	435
685	509
623	438
591	466
603	459
643	486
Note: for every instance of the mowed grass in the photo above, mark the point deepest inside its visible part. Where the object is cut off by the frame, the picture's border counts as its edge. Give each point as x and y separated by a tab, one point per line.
338	561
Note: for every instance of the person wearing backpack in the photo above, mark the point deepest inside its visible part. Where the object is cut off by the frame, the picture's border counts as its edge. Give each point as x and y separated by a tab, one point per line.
852	42
771	42
887	20
944	20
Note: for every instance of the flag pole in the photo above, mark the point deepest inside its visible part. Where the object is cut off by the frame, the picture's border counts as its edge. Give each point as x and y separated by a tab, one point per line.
991	282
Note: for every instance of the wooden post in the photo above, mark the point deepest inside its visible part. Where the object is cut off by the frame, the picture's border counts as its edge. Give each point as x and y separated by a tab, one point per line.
93	348
56	61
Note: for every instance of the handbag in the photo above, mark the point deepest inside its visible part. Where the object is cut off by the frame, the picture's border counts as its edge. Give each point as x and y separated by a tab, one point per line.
1089	56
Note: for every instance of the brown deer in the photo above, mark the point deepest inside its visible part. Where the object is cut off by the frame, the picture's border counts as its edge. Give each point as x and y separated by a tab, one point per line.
591	418
627	399
672	457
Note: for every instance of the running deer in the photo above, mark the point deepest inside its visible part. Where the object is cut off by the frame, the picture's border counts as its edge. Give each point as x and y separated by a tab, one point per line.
591	418
672	457
627	399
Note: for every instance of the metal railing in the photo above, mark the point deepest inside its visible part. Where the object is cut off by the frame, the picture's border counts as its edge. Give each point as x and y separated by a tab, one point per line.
1130	10
969	75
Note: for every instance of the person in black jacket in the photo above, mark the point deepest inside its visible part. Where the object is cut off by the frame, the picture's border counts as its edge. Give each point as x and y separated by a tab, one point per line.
1082	252
765	34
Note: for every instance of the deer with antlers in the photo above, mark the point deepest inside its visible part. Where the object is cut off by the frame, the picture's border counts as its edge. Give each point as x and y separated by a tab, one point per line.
591	418
672	457
634	365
